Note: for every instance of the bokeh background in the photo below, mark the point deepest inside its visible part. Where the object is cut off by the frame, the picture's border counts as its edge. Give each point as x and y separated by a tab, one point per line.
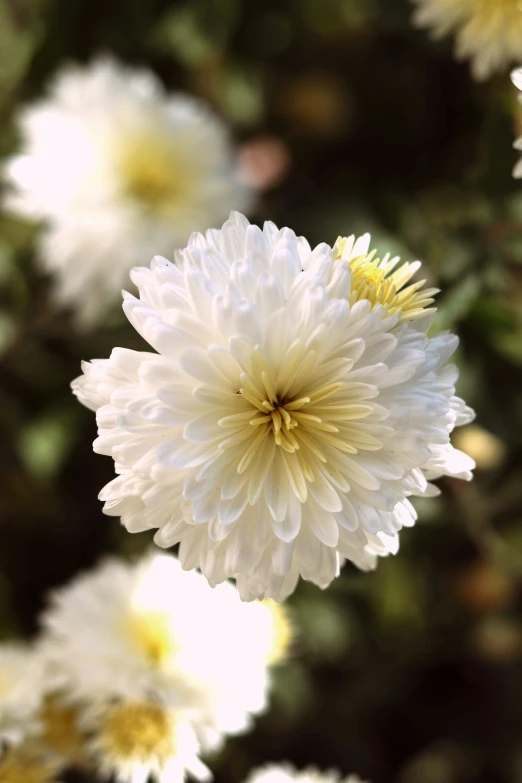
351	121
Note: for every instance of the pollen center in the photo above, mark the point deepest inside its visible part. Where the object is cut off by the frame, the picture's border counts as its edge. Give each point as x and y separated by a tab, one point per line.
152	632
134	732
381	283
149	172
280	414
369	282
296	411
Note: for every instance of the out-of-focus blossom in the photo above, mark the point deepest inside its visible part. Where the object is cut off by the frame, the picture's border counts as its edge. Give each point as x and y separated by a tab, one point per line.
137	741
118	170
293	406
486	449
316	104
149	632
264	162
286	773
488	32
484	587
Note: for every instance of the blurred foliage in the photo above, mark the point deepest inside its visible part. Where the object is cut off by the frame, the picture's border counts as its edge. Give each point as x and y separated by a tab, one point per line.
412	673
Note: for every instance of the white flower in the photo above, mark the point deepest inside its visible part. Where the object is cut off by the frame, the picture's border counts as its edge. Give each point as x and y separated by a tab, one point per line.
136	741
151	631
286	417
119	170
22	685
488	32
286	773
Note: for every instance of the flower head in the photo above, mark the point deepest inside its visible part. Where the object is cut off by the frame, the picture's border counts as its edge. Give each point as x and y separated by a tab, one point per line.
286	773
149	631
489	32
136	740
380	282
286	415
119	170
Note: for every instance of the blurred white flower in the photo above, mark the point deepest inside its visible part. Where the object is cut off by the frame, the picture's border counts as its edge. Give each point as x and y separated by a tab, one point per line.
286	773
488	32
119	170
22	686
149	631
288	414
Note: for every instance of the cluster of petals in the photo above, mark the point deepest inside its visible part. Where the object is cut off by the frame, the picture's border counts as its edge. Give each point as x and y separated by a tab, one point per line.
279	424
140	669
150	630
488	32
118	170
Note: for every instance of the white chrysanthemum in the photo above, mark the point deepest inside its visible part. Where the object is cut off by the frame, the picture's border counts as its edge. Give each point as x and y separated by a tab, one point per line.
286	773
119	170
488	32
135	741
22	685
149	630
287	415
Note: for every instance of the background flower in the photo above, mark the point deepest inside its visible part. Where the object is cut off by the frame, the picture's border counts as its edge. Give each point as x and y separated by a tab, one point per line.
118	169
488	32
149	632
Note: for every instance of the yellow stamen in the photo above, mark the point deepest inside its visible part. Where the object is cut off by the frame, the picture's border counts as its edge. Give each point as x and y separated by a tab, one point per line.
375	280
132	731
151	631
151	171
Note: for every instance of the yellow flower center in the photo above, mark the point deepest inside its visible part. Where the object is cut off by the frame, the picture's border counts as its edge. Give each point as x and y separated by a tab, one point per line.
150	172
151	631
136	732
60	729
281	635
279	414
381	284
16	767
